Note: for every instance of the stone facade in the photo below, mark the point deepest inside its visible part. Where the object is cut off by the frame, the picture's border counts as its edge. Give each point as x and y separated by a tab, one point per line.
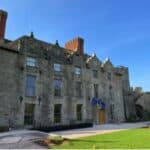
112	84
144	101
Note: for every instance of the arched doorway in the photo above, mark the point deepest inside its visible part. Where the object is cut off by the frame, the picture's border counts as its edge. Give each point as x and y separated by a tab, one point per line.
139	112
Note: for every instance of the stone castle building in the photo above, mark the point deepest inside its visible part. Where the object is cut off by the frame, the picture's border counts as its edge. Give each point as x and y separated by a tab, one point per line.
44	84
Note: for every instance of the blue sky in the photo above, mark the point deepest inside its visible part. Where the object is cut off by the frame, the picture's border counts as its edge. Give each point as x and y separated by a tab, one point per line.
118	29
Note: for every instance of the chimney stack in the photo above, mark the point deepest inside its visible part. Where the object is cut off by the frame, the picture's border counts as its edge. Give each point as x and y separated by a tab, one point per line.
76	44
3	18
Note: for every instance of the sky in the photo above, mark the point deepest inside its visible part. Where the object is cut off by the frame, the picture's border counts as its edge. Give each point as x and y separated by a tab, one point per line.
117	29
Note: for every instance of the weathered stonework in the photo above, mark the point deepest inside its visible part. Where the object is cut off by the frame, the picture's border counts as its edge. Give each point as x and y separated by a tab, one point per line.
115	92
144	101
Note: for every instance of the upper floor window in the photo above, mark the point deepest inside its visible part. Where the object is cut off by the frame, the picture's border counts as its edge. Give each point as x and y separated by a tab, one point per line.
57	87
30	85
57	67
31	62
78	89
96	90
95	73
109	76
77	70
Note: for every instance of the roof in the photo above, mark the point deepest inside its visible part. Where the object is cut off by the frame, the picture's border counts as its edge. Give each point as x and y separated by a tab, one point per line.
5	47
4	44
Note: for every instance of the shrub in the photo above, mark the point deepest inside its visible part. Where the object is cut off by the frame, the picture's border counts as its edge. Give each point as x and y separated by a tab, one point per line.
63	127
4	128
146	116
131	118
56	139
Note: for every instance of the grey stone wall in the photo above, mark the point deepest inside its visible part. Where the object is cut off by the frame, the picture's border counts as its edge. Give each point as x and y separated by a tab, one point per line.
144	101
10	107
13	72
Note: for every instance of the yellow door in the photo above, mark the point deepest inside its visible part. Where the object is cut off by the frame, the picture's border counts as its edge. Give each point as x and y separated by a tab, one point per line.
102	116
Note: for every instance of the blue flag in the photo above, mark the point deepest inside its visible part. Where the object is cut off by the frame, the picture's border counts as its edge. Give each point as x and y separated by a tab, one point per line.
94	101
99	102
103	105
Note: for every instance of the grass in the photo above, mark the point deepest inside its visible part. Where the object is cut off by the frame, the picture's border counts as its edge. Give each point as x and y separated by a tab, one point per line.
129	139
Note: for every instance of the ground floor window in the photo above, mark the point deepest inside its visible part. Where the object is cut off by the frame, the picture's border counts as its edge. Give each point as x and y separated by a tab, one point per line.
29	114
57	113
79	112
112	111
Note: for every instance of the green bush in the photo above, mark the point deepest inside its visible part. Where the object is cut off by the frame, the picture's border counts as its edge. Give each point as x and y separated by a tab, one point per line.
3	129
131	118
56	139
146	116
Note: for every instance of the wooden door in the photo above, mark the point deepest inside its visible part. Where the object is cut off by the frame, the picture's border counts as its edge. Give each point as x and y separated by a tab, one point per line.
102	116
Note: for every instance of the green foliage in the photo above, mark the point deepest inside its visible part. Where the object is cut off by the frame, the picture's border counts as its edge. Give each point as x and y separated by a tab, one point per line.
128	139
146	116
4	128
55	139
131	118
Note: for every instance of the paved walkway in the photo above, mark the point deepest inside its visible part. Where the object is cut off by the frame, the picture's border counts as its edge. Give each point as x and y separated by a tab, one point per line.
21	139
24	139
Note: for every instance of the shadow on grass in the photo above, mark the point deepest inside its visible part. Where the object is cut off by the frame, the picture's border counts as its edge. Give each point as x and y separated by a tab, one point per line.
95	144
92	141
83	144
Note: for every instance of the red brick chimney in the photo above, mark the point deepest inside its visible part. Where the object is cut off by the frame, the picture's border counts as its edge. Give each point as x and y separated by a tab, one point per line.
3	18
76	44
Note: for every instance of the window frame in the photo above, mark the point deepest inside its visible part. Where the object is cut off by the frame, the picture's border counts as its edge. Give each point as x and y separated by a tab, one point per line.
58	115
112	107
58	88
79	112
29	87
109	76
96	90
31	61
77	71
78	89
95	73
57	67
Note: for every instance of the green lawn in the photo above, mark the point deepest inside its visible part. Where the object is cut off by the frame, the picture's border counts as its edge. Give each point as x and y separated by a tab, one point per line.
131	139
